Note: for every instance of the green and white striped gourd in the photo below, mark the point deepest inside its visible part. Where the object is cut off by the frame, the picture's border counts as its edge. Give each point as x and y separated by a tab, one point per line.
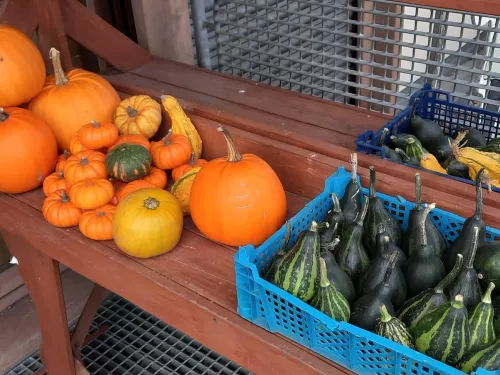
393	329
444	332
481	322
328	299
298	271
487	358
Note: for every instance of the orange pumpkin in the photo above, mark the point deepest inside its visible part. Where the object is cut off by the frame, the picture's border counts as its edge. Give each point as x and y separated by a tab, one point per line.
28	150
171	152
54	182
135	139
91	194
85	165
237	200
98	224
129	188
117	184
70	100
157	177
22	70
59	211
61	160
185	168
96	135
75	145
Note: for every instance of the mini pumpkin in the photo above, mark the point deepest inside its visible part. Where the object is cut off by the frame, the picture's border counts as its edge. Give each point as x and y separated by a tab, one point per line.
75	145
157	177
182	189
135	139
185	168
84	165
98	224
171	152
127	189
128	162
54	182
59	211
61	160
117	184
98	135
138	114
91	194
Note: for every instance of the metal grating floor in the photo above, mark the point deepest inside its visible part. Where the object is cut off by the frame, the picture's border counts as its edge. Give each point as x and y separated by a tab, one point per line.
137	343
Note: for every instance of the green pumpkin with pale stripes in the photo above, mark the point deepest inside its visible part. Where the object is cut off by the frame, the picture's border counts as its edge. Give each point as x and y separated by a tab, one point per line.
328	299
444	333
487	358
393	329
298	271
481	322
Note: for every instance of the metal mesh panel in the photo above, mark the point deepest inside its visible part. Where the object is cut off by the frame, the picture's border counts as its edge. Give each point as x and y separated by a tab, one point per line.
137	343
372	54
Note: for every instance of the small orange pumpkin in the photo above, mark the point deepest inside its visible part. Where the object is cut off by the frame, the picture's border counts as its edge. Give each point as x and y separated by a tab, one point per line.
135	139
75	145
117	184
54	182
157	177
171	152
61	160
91	194
129	188
185	168
85	165
98	224
97	135
59	211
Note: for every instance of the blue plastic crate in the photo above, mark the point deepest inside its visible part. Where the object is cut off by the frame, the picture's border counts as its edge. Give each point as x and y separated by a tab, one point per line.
435	105
354	348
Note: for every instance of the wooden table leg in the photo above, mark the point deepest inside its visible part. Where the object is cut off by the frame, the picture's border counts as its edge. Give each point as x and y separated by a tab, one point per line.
42	278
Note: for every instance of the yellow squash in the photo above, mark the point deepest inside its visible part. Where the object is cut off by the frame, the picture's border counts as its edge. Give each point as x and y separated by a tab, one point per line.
182	189
148	222
430	162
181	124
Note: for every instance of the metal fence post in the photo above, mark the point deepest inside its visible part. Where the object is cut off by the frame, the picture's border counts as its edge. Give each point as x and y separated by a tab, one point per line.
200	33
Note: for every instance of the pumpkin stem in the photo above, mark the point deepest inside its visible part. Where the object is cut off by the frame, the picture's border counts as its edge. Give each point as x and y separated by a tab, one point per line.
233	155
3	115
66	154
64	197
167	138
60	175
100	213
192	159
131	112
95	124
55	57
151	203
84	160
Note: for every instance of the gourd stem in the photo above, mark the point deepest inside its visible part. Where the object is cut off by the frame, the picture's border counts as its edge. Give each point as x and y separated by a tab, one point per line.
372	182
233	155
131	112
192	159
383	134
472	255
66	154
487	295
385	244
95	124
479	195
336	203
3	115
421	224
354	167
385	317
84	160
458	302
55	57
100	214
64	197
288	235
167	140
331	245
390	266
151	203
60	174
314	226
414	108
451	276
362	214
418	190
324	282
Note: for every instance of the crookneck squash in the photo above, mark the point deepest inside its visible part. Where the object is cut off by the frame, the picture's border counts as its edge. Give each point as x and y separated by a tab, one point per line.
393	329
128	162
181	189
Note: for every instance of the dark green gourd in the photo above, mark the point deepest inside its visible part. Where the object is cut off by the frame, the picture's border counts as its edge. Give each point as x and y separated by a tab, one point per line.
467	282
270	270
377	215
390	154
444	333
496	308
413	234
481	322
393	329
474	137
424	269
337	276
416	307
487	262
462	244
298	271
487	359
328	299
457	169
335	220
401	140
402	258
352	256
351	201
374	274
492	146
407	159
365	312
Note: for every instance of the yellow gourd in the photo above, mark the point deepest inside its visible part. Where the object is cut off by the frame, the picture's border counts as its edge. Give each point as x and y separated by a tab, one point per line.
138	114
430	162
148	222
181	124
182	189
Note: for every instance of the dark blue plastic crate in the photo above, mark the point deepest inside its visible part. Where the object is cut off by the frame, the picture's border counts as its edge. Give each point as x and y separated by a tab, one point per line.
435	105
354	348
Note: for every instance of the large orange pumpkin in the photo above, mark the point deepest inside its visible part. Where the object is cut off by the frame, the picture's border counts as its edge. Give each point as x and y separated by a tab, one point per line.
237	200
28	150
22	70
70	100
